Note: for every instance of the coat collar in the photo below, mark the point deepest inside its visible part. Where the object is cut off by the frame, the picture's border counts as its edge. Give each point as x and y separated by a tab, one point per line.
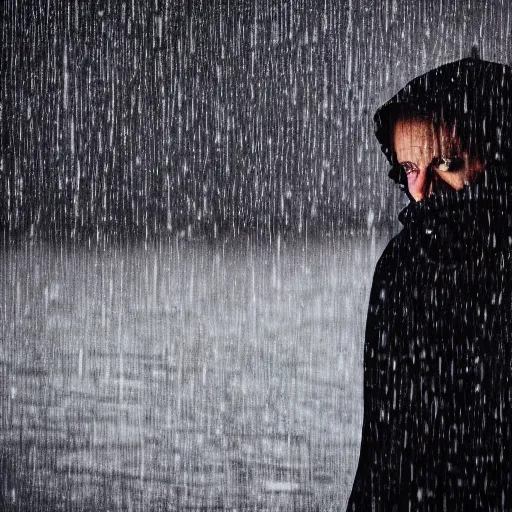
450	226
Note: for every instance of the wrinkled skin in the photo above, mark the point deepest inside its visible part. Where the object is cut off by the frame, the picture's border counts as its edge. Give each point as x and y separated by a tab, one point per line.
418	141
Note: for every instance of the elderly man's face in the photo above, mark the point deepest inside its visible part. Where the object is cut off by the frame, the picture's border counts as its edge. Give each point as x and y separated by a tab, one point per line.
417	142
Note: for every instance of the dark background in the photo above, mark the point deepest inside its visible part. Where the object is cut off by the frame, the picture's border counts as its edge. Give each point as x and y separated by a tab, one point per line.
204	117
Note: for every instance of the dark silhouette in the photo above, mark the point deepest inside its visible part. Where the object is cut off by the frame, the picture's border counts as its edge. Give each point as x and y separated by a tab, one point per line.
437	429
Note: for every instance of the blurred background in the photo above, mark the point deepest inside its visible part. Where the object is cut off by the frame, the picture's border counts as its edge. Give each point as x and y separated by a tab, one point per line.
192	203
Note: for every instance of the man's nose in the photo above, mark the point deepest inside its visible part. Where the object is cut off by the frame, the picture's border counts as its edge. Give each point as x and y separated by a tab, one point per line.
418	183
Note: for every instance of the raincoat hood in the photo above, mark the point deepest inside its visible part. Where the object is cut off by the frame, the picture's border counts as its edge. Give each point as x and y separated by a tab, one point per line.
473	93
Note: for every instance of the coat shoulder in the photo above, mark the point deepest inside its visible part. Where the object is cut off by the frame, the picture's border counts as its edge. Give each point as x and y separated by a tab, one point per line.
390	259
387	289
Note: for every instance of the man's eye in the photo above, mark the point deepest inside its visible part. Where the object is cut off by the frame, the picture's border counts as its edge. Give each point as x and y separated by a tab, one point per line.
442	164
409	167
398	173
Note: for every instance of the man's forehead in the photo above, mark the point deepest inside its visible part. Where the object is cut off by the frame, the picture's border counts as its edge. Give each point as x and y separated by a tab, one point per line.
420	132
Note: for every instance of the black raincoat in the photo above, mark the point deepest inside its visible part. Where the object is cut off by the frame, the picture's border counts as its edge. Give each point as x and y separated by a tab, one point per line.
438	357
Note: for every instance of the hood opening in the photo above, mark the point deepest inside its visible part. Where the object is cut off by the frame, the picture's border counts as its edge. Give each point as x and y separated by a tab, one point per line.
472	94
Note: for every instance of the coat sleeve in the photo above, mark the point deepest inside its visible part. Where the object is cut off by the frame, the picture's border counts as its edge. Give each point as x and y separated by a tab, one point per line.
375	484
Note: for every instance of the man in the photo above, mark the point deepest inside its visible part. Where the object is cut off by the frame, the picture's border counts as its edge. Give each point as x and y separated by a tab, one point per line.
437	427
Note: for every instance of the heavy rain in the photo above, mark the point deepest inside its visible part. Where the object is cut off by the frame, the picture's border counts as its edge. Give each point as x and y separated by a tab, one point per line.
192	205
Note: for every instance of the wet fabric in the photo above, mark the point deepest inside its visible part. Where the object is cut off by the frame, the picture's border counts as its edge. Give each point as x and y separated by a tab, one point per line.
438	358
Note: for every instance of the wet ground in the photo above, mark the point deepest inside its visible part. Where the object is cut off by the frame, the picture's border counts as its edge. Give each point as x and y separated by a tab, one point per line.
182	376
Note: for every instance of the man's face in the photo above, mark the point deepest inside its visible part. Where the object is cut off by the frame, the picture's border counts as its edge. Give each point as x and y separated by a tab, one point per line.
417	143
